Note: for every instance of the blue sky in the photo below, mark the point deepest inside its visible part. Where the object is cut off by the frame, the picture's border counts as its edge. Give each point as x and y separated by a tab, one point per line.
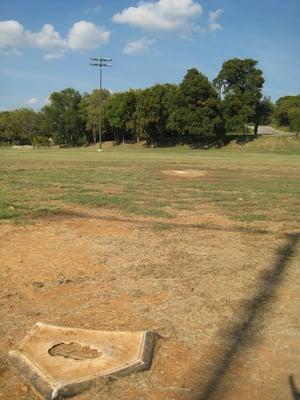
45	45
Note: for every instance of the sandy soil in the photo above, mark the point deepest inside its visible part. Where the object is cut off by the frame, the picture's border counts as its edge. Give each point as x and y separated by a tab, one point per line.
185	173
225	301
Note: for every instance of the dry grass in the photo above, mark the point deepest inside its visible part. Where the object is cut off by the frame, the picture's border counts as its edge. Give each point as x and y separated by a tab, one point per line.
208	262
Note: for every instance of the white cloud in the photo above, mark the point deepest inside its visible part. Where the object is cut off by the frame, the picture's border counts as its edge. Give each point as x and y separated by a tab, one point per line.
162	15
53	56
82	35
137	46
214	26
86	35
45	39
13	34
31	102
213	16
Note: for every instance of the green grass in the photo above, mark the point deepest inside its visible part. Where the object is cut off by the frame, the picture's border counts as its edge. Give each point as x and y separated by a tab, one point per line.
253	217
247	183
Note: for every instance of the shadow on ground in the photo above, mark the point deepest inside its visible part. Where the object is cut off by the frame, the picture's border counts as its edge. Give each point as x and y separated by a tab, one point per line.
204	142
160	225
210	142
295	392
241	334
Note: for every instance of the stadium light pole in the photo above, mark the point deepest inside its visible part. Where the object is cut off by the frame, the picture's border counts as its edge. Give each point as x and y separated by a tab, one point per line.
100	62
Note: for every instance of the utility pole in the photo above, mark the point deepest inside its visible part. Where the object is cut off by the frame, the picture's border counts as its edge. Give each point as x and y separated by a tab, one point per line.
100	62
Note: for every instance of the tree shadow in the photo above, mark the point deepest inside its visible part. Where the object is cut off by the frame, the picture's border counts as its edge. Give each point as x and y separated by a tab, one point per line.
241	333
244	139
294	390
154	224
211	142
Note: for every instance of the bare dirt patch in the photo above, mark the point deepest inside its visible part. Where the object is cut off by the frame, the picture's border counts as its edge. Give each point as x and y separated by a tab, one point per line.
224	300
72	350
185	173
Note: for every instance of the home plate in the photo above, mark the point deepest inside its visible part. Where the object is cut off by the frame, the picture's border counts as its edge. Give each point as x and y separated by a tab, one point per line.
65	361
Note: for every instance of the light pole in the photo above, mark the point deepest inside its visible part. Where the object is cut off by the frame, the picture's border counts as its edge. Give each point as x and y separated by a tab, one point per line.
100	62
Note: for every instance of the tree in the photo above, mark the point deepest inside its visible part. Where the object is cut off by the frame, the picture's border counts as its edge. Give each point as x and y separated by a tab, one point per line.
130	101
151	113
27	121
241	83
90	112
119	111
63	114
264	112
294	120
19	126
46	123
196	109
6	127
286	110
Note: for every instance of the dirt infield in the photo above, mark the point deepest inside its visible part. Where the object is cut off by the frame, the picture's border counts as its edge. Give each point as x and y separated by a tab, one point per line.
224	299
186	173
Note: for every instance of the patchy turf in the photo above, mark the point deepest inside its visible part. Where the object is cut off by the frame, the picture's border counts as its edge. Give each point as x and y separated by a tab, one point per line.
109	241
35	183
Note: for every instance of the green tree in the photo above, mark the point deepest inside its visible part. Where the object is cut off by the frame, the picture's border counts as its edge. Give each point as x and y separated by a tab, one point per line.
119	111
264	112
19	126
27	121
152	111
195	109
90	112
130	102
7	132
63	114
294	120
46	123
240	82
286	111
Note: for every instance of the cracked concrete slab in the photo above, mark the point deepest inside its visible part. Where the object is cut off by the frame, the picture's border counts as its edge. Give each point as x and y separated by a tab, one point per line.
65	361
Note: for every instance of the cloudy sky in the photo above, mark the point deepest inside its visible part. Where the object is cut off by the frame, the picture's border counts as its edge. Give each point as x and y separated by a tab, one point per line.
45	45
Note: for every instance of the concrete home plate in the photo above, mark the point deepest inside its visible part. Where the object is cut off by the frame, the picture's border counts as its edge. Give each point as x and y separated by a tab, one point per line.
64	361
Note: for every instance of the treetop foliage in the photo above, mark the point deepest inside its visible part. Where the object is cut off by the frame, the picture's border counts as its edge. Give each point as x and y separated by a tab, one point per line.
287	112
239	77
194	109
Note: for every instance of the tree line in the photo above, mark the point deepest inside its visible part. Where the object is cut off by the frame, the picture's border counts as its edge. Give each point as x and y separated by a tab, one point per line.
287	113
195	110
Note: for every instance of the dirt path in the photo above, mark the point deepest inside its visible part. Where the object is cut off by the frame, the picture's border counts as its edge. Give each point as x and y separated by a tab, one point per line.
225	300
268	130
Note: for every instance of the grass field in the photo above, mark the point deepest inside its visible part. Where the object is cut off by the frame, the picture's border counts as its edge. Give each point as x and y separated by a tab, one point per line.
247	184
208	258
